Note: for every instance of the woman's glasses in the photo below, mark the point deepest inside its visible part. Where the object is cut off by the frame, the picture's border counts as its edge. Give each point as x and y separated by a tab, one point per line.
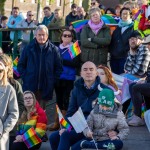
67	35
1	70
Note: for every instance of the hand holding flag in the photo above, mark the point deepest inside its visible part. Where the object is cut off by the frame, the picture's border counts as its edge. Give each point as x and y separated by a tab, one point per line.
62	121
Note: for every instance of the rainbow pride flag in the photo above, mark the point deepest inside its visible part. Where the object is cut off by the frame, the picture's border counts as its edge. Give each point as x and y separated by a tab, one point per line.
74	50
143	109
15	64
79	24
30	138
110	20
62	121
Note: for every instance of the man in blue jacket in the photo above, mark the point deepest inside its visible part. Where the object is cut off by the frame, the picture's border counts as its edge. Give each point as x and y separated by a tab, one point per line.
40	66
84	94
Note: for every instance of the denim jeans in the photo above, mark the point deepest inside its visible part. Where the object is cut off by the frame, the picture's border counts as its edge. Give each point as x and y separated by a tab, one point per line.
118	144
65	141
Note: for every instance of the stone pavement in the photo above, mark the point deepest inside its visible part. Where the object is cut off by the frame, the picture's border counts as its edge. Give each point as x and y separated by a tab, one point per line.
138	139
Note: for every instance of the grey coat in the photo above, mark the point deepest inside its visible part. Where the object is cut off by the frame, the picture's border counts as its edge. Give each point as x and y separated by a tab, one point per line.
9	113
100	123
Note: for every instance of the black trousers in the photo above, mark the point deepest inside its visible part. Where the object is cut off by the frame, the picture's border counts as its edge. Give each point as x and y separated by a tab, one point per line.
137	92
62	90
22	146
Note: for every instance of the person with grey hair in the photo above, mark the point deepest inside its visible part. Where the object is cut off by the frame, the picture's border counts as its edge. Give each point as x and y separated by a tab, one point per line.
40	66
95	38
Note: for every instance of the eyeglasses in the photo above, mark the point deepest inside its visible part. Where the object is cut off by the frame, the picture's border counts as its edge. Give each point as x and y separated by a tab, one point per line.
30	15
1	70
67	35
92	3
26	98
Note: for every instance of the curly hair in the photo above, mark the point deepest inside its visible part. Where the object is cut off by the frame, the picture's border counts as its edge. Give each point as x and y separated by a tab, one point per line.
26	115
109	76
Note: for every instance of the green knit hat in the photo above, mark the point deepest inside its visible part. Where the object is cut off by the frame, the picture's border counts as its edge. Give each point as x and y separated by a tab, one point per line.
106	98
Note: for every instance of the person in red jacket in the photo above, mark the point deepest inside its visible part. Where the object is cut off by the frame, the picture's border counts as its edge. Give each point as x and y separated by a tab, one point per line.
33	117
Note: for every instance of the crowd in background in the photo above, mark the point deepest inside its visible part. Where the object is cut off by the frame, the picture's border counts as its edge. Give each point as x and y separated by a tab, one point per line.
45	65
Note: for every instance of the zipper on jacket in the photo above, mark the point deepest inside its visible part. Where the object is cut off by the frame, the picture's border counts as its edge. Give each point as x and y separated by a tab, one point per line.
40	69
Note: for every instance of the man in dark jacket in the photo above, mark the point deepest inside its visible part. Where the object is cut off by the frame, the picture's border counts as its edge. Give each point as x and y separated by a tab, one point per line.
40	65
72	16
84	94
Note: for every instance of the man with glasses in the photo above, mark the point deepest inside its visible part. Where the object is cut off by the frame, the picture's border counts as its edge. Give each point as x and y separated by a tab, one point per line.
138	58
26	23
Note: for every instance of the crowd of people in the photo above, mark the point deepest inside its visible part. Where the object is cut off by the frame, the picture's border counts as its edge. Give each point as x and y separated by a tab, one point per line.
87	80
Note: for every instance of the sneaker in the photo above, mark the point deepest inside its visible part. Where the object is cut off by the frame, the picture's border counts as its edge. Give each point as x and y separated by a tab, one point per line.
130	118
45	138
136	121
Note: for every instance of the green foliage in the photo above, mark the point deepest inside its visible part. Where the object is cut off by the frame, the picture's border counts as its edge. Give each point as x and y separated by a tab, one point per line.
2	3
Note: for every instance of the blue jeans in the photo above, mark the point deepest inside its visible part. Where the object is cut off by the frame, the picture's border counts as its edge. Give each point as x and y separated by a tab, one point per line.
117	65
118	144
65	141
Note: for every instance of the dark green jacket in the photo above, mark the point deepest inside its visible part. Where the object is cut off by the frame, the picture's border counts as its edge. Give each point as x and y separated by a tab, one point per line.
56	33
95	50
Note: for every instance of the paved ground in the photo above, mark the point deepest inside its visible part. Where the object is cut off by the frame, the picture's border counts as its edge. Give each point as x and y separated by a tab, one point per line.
138	139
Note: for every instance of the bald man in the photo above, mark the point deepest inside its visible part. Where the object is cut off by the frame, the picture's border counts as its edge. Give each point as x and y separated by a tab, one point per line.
84	93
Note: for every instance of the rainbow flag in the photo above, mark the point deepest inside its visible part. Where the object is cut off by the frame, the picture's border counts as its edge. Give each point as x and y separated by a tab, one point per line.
74	50
30	138
79	24
62	121
110	20
15	64
143	109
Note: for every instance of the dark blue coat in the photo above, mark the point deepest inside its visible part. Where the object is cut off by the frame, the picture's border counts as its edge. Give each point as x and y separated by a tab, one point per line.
39	68
83	97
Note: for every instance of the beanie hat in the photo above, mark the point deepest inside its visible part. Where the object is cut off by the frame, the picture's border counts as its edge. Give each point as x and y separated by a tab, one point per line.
106	98
136	34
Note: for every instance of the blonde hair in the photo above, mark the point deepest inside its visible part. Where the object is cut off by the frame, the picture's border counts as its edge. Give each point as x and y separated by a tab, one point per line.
26	115
93	10
8	63
4	78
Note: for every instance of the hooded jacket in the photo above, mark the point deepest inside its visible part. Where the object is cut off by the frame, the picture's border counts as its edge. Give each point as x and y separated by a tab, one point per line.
100	123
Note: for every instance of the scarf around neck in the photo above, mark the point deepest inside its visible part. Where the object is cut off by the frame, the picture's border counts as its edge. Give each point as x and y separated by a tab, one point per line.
95	27
127	23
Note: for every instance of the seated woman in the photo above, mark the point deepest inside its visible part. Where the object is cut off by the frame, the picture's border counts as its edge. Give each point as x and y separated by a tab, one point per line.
107	79
105	117
32	117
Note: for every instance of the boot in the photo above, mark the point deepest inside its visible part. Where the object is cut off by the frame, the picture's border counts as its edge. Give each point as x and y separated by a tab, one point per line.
56	124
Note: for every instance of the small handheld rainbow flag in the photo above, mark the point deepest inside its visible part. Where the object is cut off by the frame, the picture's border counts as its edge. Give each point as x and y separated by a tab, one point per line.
74	50
143	109
30	138
79	24
62	121
15	64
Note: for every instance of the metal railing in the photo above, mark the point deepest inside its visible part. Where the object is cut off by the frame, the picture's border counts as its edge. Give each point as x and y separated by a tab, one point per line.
16	40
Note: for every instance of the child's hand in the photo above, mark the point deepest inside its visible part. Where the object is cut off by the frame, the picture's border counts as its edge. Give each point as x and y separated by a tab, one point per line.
89	134
112	133
114	138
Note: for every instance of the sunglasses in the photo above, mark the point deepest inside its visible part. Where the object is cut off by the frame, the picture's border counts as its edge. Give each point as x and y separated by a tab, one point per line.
67	35
30	15
92	3
1	70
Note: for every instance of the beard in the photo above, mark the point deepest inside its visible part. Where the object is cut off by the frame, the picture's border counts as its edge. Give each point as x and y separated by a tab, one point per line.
134	48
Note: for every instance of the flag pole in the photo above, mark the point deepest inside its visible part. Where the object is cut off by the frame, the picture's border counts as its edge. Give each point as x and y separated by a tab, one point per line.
93	139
